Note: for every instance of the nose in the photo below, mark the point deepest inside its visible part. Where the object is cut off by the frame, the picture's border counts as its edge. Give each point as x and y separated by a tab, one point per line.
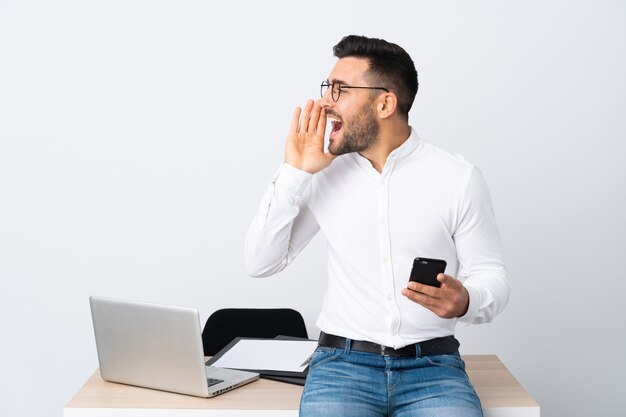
323	104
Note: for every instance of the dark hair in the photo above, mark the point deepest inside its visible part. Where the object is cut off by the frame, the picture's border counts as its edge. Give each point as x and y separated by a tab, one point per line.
389	65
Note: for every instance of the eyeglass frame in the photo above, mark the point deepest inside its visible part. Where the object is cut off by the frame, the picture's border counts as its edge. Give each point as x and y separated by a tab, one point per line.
326	84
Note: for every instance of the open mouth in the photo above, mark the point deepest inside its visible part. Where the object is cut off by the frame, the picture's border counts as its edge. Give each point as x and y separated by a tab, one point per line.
336	125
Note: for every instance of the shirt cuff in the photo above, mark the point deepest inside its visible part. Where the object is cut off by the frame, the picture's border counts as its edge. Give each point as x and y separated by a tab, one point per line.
294	180
473	307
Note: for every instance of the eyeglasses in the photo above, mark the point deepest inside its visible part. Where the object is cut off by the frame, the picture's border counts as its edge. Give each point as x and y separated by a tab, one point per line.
337	88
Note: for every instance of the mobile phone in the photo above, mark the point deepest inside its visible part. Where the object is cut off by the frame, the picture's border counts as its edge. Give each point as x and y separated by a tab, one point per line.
425	271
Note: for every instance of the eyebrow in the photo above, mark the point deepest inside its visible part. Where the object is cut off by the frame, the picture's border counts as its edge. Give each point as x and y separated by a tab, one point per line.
341	82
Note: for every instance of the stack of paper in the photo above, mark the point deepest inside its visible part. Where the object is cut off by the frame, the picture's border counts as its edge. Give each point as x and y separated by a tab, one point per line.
281	359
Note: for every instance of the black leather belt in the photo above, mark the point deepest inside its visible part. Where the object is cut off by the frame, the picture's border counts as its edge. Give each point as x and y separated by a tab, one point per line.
438	346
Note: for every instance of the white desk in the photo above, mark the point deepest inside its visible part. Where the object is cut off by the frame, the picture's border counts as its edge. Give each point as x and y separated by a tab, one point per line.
500	393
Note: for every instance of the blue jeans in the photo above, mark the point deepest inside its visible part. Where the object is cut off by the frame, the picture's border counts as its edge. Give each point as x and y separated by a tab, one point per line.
345	383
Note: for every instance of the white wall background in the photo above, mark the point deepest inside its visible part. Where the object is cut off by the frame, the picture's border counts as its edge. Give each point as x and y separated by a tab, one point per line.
137	137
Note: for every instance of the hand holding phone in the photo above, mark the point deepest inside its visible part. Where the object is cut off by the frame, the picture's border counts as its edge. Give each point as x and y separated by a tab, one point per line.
425	271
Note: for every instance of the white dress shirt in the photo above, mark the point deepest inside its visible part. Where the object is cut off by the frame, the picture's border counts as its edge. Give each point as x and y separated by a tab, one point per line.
425	203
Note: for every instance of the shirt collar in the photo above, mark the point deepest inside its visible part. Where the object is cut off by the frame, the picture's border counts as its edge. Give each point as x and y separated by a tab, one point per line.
401	151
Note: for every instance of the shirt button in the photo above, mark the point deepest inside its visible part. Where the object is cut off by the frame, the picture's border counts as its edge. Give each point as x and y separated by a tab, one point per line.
385	259
389	297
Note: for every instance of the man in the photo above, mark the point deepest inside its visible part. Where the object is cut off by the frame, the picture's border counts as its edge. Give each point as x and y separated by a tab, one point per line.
382	196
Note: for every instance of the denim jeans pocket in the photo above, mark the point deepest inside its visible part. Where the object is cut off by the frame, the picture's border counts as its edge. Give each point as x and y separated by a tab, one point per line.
324	355
452	360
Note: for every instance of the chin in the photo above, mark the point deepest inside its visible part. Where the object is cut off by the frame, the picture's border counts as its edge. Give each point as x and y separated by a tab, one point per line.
333	148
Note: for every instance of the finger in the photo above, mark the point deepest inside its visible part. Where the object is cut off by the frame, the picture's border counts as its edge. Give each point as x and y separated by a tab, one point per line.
295	128
321	123
423	288
419	298
447	281
442	278
315	117
304	123
411	295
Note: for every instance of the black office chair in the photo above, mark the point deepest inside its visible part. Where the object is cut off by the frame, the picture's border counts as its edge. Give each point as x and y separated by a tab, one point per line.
226	324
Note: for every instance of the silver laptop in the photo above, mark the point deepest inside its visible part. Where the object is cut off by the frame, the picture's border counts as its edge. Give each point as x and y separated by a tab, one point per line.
157	346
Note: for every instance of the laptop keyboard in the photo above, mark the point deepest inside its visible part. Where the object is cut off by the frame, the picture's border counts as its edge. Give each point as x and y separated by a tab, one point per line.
213	381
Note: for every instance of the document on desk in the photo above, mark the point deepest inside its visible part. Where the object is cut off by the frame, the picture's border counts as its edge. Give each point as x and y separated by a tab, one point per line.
266	355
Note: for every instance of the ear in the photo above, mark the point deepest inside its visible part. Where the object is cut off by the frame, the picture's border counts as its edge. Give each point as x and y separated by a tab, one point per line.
387	104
